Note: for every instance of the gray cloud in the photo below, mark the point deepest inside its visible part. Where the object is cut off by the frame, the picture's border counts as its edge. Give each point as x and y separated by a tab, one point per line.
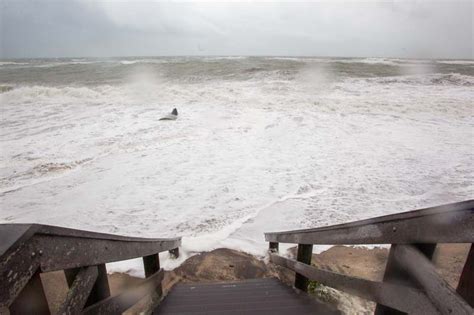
110	28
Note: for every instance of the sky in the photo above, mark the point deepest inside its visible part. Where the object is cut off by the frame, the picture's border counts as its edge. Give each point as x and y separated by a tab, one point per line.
83	28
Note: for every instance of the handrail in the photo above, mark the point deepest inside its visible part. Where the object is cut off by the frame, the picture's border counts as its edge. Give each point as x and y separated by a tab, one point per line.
420	230
26	250
417	226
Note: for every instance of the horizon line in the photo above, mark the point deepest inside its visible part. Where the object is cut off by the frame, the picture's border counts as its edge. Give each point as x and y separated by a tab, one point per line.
245	56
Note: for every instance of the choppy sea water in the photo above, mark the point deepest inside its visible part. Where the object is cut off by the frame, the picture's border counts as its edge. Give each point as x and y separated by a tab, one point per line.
261	144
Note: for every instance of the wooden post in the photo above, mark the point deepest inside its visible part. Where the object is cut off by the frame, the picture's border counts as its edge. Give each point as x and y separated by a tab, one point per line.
152	265
305	251
466	282
273	247
101	289
395	274
31	299
174	253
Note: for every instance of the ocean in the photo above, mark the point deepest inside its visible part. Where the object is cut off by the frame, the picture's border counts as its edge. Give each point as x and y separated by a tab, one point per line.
261	143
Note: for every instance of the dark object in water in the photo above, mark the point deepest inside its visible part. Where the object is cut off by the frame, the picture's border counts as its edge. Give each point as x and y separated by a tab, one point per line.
172	116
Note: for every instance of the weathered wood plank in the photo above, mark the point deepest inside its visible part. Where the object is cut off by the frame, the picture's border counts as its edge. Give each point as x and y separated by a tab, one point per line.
79	291
446	300
66	244
60	231
404	298
100	290
249	297
305	252
453	223
31	299
62	252
466	282
120	303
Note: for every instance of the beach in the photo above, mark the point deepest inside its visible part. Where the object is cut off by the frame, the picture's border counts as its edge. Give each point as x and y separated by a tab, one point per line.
260	144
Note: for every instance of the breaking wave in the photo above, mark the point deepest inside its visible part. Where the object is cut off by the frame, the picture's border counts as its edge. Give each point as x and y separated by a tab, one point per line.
309	141
6	88
143	61
455	79
456	62
37	174
37	92
11	63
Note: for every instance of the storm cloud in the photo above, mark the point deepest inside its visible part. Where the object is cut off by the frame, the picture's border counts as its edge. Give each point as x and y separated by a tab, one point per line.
413	29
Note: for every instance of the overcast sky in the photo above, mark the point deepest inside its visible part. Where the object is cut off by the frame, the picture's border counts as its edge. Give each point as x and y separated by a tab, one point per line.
75	28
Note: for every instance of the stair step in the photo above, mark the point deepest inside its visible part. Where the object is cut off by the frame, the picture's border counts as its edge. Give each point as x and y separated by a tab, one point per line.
255	296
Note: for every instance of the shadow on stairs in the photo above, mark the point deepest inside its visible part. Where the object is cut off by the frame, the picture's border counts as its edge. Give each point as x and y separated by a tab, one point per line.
256	296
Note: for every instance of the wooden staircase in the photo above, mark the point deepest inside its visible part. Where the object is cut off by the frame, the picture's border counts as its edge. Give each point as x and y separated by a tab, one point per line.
411	283
256	296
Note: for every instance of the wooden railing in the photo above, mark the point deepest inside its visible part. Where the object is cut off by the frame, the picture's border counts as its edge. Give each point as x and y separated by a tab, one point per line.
26	250
411	283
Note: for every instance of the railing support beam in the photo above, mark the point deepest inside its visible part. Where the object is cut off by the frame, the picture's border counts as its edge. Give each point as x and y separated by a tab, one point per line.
79	290
305	251
446	300
100	291
395	274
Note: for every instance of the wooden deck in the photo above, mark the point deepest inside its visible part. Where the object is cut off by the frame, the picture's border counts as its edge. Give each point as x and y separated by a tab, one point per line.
256	296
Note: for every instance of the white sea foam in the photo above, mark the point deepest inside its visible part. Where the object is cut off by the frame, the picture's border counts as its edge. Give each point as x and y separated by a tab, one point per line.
429	79
224	58
62	64
129	62
457	62
385	61
268	152
143	61
8	63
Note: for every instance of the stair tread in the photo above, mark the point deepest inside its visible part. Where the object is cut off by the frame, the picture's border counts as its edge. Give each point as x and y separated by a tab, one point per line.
254	296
